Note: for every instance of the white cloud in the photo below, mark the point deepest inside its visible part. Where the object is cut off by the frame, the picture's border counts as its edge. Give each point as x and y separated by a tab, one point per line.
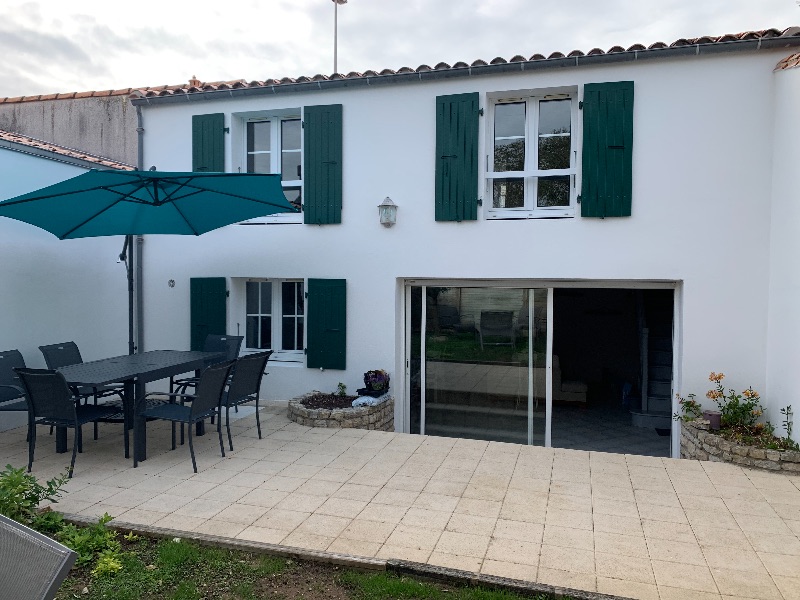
50	46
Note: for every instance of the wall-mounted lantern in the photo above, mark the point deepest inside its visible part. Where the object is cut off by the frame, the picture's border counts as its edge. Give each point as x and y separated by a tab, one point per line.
387	211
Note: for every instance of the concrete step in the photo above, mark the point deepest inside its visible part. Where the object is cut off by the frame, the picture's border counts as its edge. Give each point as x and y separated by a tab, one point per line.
659	373
659	388
659	404
660	358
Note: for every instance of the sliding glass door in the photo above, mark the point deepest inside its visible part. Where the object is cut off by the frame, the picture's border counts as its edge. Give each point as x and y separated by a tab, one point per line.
478	362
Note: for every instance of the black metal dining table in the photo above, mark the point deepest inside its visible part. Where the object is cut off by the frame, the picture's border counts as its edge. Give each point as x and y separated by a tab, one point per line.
134	371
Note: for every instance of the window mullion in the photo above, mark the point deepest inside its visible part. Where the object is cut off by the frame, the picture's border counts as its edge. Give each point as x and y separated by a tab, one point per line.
531	152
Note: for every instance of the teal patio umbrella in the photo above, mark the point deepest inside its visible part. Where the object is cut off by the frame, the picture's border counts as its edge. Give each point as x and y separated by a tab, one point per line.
100	203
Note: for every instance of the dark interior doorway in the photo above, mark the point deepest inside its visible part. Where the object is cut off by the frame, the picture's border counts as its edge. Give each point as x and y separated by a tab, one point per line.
613	372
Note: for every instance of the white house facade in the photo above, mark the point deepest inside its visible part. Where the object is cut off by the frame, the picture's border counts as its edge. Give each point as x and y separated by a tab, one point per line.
596	230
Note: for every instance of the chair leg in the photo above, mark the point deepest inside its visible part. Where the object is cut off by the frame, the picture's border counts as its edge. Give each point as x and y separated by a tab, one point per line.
191	448
173	434
75	445
95	423
125	436
31	445
228	426
258	420
219	433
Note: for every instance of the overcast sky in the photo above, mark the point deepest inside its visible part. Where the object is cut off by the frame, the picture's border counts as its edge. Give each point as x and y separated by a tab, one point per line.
78	45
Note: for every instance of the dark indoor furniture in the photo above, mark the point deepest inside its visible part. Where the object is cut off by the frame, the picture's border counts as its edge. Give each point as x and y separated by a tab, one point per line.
32	566
245	385
134	371
205	403
51	402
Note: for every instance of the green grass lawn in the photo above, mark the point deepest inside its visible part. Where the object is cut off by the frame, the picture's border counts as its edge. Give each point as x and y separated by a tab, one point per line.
182	570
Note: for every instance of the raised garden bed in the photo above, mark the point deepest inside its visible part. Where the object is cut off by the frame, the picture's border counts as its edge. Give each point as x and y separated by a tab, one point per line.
698	442
380	416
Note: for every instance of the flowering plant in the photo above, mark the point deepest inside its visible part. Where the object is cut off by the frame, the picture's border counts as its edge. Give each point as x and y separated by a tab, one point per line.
737	409
690	408
376	380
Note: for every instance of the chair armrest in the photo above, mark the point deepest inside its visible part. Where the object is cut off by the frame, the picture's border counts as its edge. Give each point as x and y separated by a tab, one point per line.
16	388
169	395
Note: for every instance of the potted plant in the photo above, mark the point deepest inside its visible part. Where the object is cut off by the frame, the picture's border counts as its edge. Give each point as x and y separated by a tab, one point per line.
376	383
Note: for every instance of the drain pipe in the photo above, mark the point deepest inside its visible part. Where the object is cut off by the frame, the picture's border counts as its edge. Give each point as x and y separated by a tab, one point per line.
138	249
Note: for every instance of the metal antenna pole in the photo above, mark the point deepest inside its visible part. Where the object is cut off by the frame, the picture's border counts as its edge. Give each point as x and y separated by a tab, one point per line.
336	4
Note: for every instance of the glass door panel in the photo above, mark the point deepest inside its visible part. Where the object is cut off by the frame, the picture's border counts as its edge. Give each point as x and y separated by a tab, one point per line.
479	378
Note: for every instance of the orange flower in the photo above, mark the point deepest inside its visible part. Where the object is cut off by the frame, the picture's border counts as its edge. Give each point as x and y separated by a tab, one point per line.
716	377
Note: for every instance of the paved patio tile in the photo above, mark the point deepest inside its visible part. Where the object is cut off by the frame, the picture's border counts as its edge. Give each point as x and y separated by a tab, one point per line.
458	561
679	552
509	570
464	544
746	584
643	527
681	575
567	537
622	545
246	514
626	588
567	579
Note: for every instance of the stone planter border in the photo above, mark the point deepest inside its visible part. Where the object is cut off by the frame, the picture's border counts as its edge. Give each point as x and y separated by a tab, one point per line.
380	416
697	442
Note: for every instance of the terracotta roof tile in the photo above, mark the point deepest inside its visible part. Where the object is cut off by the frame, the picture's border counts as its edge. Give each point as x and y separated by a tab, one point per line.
194	86
790	62
101	161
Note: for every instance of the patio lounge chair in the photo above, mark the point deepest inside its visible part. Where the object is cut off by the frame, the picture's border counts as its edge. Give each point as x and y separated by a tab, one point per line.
12	396
229	345
496	328
32	566
244	387
51	402
205	403
67	353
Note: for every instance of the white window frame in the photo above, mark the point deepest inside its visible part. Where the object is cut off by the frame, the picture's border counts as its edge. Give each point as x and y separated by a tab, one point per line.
531	172
275	116
277	319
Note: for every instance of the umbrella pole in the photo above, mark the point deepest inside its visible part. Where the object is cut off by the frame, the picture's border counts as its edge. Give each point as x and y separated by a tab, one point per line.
127	256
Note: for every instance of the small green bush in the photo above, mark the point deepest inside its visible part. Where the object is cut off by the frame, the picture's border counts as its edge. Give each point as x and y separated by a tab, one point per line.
21	494
94	542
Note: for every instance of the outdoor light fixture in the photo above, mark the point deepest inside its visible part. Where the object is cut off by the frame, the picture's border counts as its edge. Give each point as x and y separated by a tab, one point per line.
387	211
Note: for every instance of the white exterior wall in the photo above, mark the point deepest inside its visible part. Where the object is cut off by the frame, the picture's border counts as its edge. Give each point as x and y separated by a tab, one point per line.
52	290
702	171
783	352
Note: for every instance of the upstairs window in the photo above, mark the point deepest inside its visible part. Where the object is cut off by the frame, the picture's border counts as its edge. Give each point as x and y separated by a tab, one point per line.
532	158
273	146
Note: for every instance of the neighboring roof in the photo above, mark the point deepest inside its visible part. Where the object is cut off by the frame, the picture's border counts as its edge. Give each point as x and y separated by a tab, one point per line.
790	62
21	143
747	40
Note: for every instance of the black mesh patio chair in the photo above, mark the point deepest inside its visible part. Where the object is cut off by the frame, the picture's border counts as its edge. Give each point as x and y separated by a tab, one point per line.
229	345
244	386
67	353
51	402
32	566
205	403
12	396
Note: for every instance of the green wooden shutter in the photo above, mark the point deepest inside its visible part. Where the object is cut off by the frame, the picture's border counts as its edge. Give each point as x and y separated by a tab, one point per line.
327	323
607	149
322	164
208	142
208	308
457	157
